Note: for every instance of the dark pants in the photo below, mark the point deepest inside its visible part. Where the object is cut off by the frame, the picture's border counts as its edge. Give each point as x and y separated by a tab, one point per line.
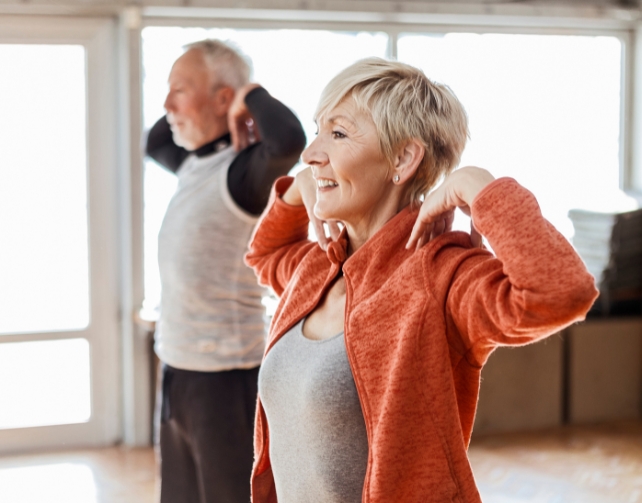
206	435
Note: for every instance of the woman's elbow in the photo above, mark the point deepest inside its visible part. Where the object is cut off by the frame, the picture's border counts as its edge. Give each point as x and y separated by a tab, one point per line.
253	262
587	292
577	297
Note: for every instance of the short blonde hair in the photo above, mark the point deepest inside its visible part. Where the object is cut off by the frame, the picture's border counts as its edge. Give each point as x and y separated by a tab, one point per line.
404	104
229	65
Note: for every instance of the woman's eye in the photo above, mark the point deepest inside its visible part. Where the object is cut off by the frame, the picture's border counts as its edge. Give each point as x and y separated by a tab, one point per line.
338	135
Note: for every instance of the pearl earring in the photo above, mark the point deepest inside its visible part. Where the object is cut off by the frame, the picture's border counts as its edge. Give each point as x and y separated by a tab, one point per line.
396	179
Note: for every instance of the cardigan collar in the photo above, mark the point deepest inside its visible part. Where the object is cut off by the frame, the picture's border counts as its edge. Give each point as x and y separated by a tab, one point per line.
384	251
394	229
338	250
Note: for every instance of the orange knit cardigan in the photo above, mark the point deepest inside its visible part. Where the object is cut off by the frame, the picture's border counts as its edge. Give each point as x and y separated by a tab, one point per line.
419	325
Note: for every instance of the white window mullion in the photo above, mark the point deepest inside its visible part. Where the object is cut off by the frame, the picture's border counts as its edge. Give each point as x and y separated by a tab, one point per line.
633	169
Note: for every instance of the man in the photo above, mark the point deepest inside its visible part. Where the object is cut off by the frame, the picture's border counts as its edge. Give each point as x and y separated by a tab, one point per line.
211	331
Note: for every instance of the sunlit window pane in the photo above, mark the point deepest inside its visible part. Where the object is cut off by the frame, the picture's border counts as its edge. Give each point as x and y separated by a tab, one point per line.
293	65
543	109
63	482
44	383
43	195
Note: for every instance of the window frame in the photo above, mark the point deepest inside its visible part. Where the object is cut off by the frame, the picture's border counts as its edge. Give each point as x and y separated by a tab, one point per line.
96	35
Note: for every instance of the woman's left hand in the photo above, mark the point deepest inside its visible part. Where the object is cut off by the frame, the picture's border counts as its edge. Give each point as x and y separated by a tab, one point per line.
437	212
304	191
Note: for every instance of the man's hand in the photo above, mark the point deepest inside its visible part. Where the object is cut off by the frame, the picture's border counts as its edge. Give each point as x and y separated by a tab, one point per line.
304	191
437	211
240	121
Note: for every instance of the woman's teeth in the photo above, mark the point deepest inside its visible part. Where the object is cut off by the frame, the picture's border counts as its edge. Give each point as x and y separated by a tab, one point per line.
326	183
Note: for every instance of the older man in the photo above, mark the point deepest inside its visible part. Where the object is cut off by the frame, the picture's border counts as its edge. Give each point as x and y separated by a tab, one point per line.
227	140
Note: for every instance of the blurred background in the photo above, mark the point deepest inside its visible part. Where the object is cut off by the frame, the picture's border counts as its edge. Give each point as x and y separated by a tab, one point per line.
553	90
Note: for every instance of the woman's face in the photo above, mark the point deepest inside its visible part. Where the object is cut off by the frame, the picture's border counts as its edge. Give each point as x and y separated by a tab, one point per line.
351	172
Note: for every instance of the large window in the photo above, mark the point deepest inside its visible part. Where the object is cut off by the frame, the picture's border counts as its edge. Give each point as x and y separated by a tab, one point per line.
544	109
59	337
44	277
43	197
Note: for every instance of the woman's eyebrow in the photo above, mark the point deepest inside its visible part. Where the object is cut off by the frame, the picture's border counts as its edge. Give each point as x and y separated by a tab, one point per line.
335	118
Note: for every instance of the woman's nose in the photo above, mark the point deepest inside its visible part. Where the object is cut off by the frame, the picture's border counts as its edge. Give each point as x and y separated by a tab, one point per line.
313	154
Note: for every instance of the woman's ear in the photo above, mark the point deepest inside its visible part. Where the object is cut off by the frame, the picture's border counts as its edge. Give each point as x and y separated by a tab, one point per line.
407	161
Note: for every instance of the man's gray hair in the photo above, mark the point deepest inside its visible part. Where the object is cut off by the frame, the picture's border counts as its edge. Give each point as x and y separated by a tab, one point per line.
228	64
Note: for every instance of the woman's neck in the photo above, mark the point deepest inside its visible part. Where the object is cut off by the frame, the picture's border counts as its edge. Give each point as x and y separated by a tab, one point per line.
360	230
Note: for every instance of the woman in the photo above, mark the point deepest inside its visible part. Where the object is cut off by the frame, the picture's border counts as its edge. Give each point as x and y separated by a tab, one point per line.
371	376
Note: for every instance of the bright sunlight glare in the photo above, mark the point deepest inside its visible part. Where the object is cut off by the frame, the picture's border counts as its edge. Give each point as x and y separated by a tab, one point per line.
44	383
543	109
44	278
56	483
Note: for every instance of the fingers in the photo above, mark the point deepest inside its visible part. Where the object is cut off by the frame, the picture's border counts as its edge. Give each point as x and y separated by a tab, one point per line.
423	231
240	135
233	127
419	230
322	236
256	137
334	229
241	126
238	132
475	237
319	230
433	207
438	229
450	218
243	138
319	227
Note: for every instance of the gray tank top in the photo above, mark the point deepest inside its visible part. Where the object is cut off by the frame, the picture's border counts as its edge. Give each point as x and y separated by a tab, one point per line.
318	441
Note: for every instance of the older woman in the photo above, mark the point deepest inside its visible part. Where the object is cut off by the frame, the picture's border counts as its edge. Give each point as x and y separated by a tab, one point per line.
370	380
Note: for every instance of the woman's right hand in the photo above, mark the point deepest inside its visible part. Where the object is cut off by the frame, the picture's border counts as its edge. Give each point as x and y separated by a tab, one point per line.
436	214
304	191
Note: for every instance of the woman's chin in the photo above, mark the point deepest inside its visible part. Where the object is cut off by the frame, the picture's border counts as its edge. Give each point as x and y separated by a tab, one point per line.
326	217
324	213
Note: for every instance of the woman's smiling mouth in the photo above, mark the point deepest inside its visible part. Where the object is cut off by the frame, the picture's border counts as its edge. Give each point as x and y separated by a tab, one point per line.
324	183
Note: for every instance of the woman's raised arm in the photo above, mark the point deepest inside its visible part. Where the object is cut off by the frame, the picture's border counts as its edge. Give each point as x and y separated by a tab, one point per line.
535	286
280	239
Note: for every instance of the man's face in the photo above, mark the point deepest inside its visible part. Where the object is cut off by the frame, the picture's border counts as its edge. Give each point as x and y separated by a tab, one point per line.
192	106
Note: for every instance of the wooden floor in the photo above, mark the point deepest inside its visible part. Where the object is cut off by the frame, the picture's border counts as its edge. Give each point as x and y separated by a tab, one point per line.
572	465
600	464
111	475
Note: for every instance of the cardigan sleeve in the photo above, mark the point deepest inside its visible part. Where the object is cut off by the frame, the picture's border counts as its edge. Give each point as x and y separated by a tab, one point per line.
280	240
535	286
